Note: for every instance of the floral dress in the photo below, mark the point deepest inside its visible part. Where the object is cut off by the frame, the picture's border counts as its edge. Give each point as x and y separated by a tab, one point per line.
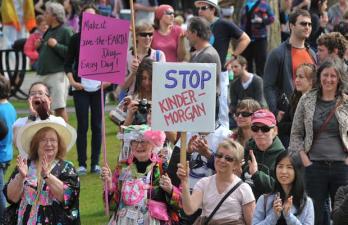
38	205
131	192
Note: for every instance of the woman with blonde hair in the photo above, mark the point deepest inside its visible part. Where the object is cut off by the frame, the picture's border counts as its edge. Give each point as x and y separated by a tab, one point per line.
223	197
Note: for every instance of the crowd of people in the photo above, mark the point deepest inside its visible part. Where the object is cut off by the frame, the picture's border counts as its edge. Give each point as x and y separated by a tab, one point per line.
279	151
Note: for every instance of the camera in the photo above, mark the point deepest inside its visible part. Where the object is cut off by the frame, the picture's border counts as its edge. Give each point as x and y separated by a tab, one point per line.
140	116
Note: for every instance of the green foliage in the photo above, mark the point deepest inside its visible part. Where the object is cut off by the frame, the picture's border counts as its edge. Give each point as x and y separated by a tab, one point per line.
91	202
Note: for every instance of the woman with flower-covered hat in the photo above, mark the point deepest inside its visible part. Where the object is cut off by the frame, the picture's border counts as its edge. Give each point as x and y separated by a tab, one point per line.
140	190
44	186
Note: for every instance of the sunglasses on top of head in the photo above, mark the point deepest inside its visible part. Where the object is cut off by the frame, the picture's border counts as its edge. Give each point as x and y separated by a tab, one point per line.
244	114
228	158
145	34
264	129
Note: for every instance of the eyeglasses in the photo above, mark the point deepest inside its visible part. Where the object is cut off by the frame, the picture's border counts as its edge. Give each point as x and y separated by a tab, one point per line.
169	13
304	24
226	157
138	142
48	140
244	114
203	8
145	34
39	93
264	129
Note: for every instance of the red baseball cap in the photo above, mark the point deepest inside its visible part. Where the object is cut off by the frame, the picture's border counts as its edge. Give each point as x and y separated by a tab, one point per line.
264	116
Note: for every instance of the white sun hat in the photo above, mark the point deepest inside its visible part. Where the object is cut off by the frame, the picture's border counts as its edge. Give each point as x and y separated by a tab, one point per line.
26	133
210	2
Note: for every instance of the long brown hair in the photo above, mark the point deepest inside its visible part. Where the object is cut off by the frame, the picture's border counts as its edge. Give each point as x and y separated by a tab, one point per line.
35	141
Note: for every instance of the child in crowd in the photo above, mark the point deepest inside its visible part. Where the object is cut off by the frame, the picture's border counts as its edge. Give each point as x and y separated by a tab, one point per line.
33	42
8	116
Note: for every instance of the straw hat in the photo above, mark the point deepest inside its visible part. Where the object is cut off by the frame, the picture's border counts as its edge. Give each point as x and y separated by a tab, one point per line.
25	134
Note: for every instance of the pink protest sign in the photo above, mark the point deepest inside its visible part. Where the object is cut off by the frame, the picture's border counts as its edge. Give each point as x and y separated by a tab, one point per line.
103	48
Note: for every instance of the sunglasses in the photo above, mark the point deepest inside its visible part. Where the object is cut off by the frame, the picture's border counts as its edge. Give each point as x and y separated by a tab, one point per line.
226	157
304	24
169	13
203	8
145	34
264	129
244	114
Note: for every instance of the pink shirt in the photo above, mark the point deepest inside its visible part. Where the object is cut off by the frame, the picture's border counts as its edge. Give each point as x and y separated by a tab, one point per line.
231	208
167	43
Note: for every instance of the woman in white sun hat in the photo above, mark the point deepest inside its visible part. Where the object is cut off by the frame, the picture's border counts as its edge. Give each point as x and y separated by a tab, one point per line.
44	186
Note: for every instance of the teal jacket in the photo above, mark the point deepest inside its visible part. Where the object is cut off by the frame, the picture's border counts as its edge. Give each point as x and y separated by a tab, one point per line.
262	181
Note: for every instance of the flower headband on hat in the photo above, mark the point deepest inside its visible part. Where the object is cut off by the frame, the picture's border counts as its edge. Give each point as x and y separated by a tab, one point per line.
155	137
133	132
161	10
26	133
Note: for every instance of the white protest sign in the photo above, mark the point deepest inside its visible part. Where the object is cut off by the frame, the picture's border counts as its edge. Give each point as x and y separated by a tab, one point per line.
183	97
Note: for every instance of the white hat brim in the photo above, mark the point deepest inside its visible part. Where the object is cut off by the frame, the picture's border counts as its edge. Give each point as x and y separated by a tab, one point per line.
26	133
207	2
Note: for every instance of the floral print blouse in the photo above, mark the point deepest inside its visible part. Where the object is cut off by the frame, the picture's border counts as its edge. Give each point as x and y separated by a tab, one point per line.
48	210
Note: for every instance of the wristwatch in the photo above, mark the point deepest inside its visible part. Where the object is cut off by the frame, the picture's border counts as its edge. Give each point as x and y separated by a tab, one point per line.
32	117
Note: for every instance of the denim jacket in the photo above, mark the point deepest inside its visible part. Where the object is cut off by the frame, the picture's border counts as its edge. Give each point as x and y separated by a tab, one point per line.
301	137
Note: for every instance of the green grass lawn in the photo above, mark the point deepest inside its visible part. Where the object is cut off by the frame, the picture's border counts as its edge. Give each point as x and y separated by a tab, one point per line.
91	204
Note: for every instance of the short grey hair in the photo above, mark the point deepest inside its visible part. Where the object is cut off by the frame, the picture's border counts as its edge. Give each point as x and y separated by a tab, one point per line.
57	10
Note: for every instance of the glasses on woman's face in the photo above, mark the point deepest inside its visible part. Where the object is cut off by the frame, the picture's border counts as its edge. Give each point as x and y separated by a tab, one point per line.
145	34
38	93
244	114
228	158
264	129
137	143
46	141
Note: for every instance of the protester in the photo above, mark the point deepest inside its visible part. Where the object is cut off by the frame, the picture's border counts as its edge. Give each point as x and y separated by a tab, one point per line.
209	191
245	84
222	32
304	82
284	11
288	203
45	187
283	61
17	18
168	37
318	11
32	43
242	116
139	104
330	45
144	37
340	209
39	103
53	49
319	135
72	14
7	116
336	13
86	94
140	186
256	15
198	34
261	152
